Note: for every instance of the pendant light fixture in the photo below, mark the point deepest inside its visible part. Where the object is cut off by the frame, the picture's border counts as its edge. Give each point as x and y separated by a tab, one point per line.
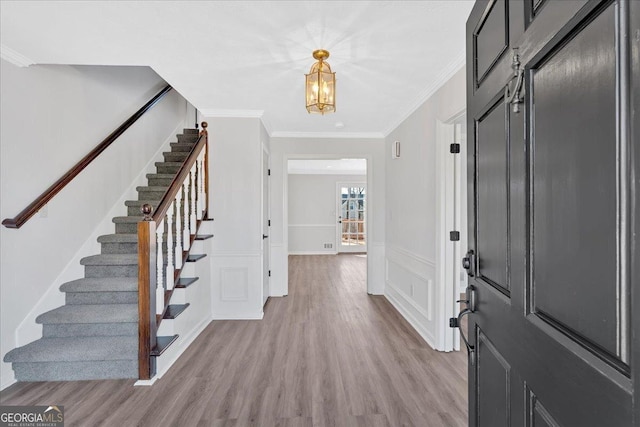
320	85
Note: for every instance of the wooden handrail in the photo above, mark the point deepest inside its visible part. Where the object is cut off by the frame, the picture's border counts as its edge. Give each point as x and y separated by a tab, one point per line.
54	189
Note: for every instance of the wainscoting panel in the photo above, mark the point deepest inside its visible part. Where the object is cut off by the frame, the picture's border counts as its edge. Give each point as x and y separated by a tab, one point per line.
237	285
234	284
410	287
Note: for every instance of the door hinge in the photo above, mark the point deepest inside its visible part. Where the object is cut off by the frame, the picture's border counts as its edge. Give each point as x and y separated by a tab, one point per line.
269	273
454	236
454	148
269	172
268	223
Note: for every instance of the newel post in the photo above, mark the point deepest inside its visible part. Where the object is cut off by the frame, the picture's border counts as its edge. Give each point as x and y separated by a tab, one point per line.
146	293
205	132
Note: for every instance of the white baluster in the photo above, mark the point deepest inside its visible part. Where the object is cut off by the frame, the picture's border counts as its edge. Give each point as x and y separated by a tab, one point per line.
192	217
160	268
178	254
204	181
170	247
186	237
200	184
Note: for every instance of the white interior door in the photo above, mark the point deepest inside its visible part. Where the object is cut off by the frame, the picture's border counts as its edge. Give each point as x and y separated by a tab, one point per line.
266	223
351	210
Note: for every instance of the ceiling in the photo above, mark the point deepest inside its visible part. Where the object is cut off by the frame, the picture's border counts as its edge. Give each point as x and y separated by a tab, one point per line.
248	58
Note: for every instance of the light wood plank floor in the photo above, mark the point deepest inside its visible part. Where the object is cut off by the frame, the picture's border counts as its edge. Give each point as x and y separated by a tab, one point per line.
326	355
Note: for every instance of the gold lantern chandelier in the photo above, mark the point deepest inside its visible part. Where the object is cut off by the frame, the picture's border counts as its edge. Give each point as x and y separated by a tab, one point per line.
320	85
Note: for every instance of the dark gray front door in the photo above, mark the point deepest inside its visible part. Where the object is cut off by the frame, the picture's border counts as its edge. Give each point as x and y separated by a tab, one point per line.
554	180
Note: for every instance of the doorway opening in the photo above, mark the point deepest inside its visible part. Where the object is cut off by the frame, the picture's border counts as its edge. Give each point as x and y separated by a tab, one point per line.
326	205
351	210
452	243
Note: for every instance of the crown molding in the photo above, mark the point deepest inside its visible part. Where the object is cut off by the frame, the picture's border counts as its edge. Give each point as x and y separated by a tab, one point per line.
267	125
350	135
14	57
448	72
210	112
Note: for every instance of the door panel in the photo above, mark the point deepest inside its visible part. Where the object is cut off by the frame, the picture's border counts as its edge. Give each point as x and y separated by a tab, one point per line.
537	414
491	38
574	185
492	184
493	384
553	215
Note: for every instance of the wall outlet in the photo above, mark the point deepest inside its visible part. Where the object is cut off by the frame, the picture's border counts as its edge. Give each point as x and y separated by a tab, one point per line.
328	245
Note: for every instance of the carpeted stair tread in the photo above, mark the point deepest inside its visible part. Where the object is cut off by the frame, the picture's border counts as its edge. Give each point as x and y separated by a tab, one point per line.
174	164
118	238
161	175
131	219
172	156
91	313
187	137
177	147
76	349
190	131
102	284
110	259
139	203
152	188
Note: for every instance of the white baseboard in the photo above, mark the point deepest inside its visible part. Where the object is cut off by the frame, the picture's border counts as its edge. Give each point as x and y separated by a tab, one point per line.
411	315
313	253
11	382
239	316
146	383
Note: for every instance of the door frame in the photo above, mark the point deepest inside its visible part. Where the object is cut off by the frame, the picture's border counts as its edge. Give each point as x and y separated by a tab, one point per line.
266	215
339	186
448	267
285	207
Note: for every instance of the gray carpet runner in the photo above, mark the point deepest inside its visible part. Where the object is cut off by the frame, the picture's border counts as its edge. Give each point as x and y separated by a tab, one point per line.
95	334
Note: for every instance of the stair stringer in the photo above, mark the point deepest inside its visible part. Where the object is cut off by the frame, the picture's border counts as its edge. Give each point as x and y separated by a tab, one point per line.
28	330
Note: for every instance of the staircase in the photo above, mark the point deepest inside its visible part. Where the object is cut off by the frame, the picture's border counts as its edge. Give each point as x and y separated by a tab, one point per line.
95	334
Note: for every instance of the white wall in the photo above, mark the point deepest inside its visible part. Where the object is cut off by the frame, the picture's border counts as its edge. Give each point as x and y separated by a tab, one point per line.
413	212
235	203
51	116
283	149
312	212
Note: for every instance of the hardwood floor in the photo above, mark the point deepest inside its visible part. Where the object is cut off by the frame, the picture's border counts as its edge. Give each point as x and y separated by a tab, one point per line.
326	355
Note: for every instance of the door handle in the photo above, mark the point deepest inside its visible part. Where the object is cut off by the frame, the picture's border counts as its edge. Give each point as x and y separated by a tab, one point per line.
264	236
454	322
469	263
513	96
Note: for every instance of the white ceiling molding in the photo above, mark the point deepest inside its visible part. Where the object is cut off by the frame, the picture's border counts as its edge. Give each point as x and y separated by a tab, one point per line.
349	135
14	57
267	125
257	114
443	77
